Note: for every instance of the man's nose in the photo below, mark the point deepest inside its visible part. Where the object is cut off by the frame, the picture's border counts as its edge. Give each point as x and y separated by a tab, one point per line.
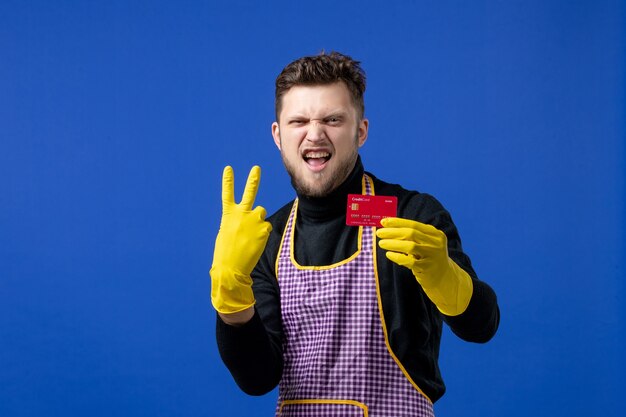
316	131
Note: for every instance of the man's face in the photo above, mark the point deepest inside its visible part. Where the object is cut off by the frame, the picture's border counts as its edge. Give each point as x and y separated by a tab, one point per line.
319	134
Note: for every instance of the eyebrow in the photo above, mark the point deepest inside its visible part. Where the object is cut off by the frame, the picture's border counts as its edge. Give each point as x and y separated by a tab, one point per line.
335	113
340	114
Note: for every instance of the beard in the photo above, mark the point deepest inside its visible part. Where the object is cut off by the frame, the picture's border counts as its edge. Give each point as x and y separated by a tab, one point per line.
324	182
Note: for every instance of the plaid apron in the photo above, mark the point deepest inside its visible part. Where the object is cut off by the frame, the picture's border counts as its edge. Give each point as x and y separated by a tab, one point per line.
336	359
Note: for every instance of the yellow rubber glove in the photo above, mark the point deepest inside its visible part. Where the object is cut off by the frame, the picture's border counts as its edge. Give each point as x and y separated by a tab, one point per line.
424	250
240	242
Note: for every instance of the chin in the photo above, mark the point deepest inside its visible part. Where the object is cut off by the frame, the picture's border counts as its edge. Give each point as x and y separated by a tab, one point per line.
316	188
318	184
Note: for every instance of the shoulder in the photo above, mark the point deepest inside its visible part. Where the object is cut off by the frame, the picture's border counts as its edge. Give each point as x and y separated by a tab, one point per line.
412	204
278	219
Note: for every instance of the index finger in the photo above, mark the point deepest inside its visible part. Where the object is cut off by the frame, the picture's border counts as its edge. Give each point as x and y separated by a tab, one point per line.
399	222
228	186
252	185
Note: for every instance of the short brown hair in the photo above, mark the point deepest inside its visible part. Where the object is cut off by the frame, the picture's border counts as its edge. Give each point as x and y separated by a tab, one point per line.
322	69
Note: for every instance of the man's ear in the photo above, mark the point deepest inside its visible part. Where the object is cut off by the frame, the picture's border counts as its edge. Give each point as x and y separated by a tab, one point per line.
276	134
362	131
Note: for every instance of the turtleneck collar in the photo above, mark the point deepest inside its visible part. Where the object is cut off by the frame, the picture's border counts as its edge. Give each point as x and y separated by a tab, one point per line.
334	204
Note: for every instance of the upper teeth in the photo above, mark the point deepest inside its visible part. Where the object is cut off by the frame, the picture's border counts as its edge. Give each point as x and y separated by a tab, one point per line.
317	155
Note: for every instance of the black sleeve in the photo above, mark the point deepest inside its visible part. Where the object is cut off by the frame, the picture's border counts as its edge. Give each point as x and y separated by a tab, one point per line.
479	322
253	352
249	356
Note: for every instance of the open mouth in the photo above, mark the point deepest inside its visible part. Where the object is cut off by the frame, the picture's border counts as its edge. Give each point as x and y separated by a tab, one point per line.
316	160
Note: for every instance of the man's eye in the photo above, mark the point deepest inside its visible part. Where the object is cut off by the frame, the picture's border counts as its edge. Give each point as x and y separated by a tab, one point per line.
333	120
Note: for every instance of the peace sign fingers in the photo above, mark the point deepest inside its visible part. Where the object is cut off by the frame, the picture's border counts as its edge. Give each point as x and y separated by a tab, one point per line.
249	193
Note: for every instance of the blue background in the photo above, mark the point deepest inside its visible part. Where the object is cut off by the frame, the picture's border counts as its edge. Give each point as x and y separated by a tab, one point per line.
117	117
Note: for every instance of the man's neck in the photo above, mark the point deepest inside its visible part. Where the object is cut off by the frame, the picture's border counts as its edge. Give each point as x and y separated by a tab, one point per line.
333	204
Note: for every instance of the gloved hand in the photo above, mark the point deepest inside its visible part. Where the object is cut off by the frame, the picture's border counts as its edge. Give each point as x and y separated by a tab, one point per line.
240	242
424	250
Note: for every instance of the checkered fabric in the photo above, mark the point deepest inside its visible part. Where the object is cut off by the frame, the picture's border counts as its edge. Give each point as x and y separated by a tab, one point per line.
336	362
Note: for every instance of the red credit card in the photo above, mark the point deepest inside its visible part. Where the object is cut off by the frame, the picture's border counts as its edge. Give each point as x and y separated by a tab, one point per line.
369	210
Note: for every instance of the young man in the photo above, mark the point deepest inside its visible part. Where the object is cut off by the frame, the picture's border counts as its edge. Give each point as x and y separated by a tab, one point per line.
345	319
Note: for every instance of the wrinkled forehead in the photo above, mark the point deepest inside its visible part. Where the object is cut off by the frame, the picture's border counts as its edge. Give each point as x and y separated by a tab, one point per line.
317	100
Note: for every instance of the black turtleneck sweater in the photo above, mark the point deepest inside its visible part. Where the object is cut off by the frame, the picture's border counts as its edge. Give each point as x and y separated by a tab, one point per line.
253	352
